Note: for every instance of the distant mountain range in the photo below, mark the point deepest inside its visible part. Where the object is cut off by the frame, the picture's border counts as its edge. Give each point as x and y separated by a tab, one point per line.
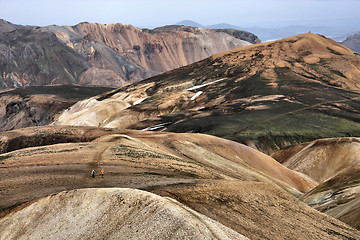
274	33
104	54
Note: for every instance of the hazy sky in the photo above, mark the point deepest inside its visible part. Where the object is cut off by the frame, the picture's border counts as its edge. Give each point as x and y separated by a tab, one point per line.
151	13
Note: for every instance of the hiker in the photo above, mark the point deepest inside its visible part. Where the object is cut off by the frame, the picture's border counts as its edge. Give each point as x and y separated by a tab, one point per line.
93	173
102	173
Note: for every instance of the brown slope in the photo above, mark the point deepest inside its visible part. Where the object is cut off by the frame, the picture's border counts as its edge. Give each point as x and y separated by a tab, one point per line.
268	96
258	210
335	164
309	55
44	135
254	210
339	197
322	159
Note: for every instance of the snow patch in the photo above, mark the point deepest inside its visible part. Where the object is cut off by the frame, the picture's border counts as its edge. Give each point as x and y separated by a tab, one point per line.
91	103
196	95
206	84
105	120
155	127
139	101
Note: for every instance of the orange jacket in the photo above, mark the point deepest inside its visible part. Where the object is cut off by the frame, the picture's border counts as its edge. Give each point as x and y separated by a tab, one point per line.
102	171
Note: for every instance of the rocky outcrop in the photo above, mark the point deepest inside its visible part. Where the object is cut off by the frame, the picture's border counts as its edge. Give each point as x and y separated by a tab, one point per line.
6	26
243	35
108	55
31	57
38	106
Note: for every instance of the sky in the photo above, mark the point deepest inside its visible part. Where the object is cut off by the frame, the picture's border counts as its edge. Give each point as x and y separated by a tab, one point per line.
154	13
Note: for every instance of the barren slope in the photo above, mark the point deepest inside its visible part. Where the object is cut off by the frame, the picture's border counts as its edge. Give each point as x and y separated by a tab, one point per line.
258	210
335	165
267	96
112	213
235	185
130	159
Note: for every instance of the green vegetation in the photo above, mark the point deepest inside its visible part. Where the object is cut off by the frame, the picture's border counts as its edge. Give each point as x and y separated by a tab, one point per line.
313	104
272	127
67	150
254	85
107	129
310	115
4	157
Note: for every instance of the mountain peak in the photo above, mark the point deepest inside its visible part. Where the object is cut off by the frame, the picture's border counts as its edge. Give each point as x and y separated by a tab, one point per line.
190	23
299	46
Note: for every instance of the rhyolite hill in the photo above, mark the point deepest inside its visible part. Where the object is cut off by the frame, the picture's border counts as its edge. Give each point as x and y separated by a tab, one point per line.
267	96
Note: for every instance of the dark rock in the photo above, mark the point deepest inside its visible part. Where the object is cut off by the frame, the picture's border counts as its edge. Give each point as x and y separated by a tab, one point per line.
136	47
